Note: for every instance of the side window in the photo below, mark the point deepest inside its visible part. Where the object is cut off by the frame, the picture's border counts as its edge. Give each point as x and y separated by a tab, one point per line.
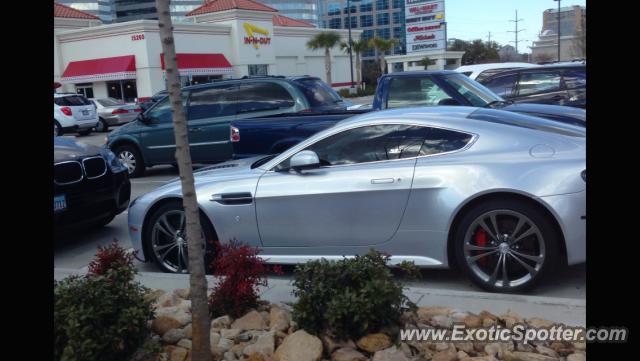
161	113
212	102
263	96
503	85
442	141
531	83
575	79
368	144
408	92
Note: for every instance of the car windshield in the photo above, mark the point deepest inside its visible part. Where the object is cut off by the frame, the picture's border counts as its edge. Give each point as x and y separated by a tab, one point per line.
477	94
318	93
109	102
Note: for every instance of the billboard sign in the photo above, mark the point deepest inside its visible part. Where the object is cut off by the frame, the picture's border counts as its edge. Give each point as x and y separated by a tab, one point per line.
425	27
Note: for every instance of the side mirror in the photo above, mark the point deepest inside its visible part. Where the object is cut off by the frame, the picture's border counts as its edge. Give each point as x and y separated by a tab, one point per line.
144	106
449	101
307	159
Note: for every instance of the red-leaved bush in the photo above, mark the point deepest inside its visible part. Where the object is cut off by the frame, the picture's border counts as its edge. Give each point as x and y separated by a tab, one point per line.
241	273
109	258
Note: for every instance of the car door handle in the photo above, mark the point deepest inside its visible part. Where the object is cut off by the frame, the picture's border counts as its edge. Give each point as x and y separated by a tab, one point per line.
195	130
382	180
232	198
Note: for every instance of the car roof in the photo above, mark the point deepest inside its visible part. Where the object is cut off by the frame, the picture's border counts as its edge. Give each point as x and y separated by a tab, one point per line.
418	73
535	69
249	79
60	95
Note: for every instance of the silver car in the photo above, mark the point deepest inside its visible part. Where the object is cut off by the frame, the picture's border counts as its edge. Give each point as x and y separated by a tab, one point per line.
500	194
114	112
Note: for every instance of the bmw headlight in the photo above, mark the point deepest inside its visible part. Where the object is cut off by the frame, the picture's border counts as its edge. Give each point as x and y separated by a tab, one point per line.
114	163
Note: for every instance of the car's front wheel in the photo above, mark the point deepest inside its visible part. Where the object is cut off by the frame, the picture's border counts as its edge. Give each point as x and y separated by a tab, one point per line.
57	129
131	158
506	245
167	242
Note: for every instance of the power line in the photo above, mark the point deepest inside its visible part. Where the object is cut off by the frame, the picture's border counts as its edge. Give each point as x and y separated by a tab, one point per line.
516	31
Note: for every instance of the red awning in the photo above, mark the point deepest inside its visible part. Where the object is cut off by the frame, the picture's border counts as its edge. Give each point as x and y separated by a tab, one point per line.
104	69
201	64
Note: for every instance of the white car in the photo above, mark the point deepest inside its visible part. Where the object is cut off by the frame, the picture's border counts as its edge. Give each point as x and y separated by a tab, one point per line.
73	113
479	71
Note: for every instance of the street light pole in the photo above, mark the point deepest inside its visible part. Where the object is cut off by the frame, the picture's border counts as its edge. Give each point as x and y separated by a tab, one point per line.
352	88
558	28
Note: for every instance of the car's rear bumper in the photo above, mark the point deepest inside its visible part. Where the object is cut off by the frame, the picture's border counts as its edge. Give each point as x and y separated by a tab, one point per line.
120	118
92	201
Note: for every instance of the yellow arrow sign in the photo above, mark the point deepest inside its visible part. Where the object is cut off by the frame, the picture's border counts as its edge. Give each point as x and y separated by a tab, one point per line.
250	29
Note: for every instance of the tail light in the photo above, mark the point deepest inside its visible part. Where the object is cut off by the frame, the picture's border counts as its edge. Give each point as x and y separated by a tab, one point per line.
66	111
120	111
235	134
137	110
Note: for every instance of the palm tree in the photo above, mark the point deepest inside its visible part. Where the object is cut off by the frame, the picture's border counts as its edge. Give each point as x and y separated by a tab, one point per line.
358	47
201	350
326	40
382	46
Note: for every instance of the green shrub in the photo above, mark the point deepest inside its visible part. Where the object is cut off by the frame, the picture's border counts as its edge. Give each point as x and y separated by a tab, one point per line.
351	297
101	316
344	92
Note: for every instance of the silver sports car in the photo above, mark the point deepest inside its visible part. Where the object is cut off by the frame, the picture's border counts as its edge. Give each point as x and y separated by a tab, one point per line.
500	194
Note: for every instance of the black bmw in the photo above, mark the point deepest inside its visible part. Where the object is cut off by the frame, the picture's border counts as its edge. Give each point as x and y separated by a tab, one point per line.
90	185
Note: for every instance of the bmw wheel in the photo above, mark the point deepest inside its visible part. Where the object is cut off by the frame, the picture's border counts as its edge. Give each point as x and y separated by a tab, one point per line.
166	238
506	245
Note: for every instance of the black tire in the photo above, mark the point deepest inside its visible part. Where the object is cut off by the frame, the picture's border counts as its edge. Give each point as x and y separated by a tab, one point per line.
544	241
102	126
211	238
85	132
103	222
58	128
131	158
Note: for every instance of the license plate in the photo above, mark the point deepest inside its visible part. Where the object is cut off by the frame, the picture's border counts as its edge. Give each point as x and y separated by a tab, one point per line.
85	112
59	203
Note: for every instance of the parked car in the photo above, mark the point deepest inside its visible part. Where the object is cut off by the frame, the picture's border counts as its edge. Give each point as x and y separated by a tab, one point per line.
145	102
500	194
478	72
114	112
90	185
73	113
559	84
149	140
269	135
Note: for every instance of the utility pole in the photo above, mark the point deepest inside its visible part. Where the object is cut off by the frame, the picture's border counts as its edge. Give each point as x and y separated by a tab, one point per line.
558	29
489	41
352	89
517	31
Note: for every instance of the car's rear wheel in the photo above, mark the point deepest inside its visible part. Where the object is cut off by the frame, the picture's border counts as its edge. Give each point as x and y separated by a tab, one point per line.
167	242
131	158
102	126
506	245
57	129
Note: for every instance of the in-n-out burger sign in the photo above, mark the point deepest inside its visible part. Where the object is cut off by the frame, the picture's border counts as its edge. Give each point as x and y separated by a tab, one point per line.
256	41
417	28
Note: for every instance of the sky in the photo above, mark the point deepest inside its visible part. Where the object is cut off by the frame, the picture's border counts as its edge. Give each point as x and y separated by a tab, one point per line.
474	19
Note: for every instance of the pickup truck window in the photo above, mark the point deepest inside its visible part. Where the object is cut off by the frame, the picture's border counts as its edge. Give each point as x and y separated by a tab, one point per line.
412	91
503	85
317	92
263	96
212	102
477	94
537	82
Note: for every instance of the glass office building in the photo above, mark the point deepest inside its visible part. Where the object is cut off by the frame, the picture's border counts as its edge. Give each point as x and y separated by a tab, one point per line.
305	10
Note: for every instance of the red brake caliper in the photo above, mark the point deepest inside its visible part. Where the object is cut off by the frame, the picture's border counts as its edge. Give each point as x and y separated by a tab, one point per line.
481	241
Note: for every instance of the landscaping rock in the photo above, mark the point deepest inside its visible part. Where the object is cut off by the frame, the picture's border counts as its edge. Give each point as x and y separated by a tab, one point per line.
188	331
299	346
230	356
546	351
539	322
182	293
230	333
374	342
181	315
464	346
347	354
264	345
462	354
179	354
577	357
168	299
250	321
330	344
527	356
472	321
162	324
448	355
442	321
510	319
425	313
255	357
221	322
480	358
153	295
186	343
279	319
390	354
174	335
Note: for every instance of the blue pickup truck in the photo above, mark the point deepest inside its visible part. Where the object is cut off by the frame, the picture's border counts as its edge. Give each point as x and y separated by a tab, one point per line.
274	134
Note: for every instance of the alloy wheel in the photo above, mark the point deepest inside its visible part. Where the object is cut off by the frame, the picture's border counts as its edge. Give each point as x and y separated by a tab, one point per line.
128	159
169	241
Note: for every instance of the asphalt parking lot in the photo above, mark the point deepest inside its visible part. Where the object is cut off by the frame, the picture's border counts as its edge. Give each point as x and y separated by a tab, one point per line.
74	250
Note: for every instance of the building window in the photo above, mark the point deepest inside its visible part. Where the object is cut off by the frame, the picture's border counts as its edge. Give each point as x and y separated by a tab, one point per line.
383	33
122	89
353	9
397	17
382	19
398	4
85	89
382	4
334	8
366	5
259	69
335	23
366	20
354	22
203	79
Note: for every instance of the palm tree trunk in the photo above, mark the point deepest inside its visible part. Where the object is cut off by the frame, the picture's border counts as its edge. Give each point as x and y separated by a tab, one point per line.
358	70
327	65
199	308
382	63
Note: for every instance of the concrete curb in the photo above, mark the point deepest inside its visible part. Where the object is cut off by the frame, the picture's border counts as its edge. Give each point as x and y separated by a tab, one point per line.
566	310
